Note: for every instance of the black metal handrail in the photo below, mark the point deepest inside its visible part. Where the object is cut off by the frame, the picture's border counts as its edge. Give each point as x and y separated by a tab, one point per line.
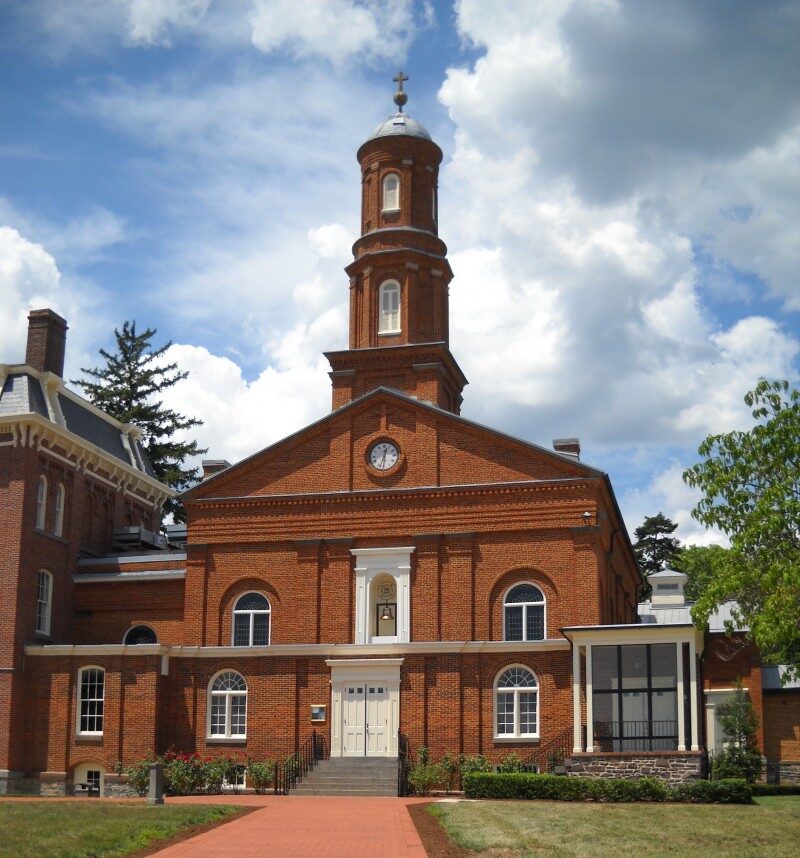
299	764
551	755
636	735
403	765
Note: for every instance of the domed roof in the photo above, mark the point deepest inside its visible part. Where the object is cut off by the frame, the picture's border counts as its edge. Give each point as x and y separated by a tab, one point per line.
400	124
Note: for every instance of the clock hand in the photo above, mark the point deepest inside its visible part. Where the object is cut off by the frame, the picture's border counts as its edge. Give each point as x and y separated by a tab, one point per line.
383	460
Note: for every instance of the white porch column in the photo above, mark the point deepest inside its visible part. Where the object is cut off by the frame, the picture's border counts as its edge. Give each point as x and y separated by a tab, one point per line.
693	694
576	699
589	712
681	711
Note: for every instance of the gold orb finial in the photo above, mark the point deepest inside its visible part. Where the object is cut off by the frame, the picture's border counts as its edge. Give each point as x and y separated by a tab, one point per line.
400	97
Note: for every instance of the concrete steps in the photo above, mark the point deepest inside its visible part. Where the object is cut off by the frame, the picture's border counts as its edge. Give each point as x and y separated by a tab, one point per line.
357	776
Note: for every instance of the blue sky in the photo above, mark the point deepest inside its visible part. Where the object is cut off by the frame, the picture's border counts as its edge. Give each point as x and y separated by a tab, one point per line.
619	195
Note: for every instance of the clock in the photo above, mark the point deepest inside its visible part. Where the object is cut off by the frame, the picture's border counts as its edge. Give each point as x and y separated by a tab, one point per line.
383	455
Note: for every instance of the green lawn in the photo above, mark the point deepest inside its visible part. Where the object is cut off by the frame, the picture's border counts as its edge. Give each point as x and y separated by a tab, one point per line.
91	829
535	828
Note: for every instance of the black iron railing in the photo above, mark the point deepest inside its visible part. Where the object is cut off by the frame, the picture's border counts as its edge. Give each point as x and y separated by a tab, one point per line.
636	735
550	756
299	764
403	765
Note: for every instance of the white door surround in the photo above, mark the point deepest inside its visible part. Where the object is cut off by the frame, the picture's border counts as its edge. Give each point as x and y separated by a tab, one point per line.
365	706
371	562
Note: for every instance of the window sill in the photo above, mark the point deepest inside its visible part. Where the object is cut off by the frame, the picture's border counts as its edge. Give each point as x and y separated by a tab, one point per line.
49	535
42	636
383	639
528	740
89	737
391	211
226	740
390	333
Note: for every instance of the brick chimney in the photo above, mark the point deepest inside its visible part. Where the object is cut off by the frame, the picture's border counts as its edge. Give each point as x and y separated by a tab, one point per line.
47	338
212	467
568	446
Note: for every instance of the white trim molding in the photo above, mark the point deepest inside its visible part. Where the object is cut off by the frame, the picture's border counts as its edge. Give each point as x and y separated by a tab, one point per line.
371	562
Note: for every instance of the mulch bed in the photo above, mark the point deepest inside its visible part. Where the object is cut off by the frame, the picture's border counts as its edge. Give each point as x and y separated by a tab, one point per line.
437	844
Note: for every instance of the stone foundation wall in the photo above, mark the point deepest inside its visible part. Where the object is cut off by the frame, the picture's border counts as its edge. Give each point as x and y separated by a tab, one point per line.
788	772
673	768
37	783
117	786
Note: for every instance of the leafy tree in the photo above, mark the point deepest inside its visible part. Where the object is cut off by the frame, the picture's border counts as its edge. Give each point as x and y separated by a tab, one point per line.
739	722
128	386
655	547
751	491
700	564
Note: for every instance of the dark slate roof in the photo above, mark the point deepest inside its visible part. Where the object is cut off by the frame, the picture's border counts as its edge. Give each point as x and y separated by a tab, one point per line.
22	394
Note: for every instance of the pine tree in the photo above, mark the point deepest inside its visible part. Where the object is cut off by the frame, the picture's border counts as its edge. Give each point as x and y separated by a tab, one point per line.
655	547
127	388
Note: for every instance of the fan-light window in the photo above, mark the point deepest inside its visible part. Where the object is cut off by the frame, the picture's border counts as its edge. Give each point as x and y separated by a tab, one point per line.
516	704
227	706
391	192
389	309
140	635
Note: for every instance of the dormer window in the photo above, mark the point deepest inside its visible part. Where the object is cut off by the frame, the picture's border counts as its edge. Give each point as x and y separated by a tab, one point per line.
389	308
391	193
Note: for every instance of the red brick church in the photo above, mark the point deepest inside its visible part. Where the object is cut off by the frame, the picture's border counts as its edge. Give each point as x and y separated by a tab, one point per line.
391	574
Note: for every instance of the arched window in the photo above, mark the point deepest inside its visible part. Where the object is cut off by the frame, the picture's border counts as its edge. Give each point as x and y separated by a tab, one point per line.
523	614
227	706
251	620
140	635
41	502
391	192
91	695
389	307
434	204
516	698
44	601
61	496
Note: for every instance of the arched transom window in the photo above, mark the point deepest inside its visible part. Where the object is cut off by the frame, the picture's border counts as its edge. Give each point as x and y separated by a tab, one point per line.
389	308
41	502
391	192
523	614
227	706
140	635
516	704
251	620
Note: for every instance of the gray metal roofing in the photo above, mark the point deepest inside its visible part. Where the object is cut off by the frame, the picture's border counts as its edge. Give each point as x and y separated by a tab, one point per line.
22	394
671	615
400	124
771	676
666	573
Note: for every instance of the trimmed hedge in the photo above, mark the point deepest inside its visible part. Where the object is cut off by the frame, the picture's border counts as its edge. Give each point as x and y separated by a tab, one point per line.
776	789
560	788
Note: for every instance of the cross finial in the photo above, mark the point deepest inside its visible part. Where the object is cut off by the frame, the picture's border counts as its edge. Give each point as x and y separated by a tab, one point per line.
400	97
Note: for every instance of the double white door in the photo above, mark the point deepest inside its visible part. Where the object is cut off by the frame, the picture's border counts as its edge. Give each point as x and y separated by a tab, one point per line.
365	720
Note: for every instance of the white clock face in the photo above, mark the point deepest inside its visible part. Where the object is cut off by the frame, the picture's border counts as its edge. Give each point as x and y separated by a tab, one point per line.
383	456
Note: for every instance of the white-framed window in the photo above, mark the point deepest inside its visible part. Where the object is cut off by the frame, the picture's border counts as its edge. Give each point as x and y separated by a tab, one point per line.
391	192
44	601
41	502
516	704
251	620
91	774
61	497
91	697
389	307
227	706
140	635
524	614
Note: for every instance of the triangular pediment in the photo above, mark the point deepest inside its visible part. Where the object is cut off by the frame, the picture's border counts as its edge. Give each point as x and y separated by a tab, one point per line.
436	448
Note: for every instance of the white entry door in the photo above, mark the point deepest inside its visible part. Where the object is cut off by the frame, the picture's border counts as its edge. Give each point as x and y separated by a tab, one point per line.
377	719
354	720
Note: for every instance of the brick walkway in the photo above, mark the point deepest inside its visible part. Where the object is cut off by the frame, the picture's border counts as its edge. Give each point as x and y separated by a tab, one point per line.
307	827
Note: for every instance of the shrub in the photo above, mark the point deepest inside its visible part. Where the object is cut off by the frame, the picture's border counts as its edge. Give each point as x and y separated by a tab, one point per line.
510	763
184	774
260	775
451	765
423	777
474	765
423	756
776	789
737	762
139	776
555	787
739	722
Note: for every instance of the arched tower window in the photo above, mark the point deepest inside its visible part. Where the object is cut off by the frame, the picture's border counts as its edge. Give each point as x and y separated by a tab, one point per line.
61	496
391	192
516	704
389	308
44	601
41	502
523	614
251	615
227	706
140	635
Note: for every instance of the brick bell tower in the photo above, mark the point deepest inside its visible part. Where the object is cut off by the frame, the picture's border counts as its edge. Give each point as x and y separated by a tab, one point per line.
400	276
